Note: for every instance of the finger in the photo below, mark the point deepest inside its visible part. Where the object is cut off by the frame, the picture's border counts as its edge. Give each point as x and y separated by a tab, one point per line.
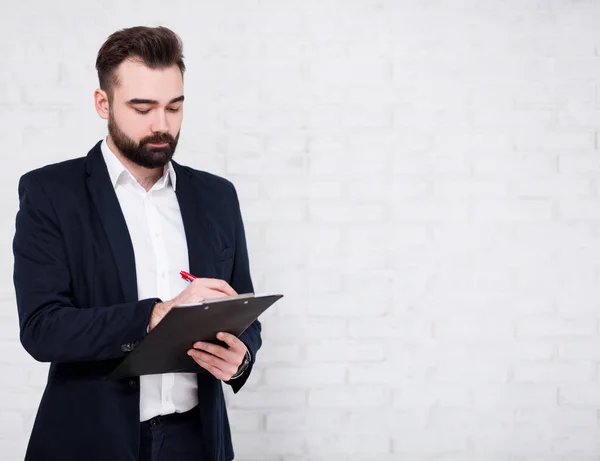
221	352
217	284
232	341
216	372
207	361
208	293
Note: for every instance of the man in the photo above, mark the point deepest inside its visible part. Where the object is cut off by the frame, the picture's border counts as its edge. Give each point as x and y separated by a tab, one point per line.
99	245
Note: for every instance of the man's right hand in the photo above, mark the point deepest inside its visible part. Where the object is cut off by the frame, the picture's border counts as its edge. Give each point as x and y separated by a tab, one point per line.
199	290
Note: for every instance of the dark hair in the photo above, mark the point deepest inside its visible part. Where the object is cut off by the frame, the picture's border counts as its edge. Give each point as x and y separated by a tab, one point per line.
157	47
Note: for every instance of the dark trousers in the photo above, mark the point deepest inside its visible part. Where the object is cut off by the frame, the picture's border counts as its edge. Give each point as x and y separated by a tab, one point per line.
175	437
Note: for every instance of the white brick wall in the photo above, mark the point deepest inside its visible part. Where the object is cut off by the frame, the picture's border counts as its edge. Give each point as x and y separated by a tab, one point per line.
419	178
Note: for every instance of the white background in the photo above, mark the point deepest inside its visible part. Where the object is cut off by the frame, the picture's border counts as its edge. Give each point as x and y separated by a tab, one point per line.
419	178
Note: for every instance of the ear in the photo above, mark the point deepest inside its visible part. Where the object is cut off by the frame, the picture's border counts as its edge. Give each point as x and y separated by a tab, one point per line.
101	103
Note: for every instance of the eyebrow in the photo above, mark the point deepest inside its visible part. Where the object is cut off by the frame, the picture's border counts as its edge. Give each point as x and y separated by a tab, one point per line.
135	101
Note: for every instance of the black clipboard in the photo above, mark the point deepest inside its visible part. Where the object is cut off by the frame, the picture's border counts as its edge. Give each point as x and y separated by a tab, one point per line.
165	348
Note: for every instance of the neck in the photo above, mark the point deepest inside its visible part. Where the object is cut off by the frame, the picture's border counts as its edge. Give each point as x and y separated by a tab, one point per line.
146	177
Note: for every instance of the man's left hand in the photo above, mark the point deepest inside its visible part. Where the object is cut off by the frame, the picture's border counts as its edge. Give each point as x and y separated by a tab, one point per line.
221	362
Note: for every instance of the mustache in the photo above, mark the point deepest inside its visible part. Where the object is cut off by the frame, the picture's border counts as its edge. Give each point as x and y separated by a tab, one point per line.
157	139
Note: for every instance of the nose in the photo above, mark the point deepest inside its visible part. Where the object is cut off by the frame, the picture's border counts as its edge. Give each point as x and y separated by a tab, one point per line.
159	123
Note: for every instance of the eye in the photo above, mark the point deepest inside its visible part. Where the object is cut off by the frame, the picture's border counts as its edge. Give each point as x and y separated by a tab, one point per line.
143	112
173	109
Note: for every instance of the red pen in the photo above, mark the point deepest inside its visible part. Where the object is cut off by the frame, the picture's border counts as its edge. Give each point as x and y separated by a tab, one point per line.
187	276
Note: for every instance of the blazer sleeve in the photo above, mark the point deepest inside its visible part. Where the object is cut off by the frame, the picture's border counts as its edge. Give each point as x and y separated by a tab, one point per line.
241	282
53	328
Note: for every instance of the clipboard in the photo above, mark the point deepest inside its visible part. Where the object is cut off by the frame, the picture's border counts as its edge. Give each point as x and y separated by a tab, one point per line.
164	349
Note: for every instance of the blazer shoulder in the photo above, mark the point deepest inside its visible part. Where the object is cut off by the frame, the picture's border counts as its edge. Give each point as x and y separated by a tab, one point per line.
56	175
210	180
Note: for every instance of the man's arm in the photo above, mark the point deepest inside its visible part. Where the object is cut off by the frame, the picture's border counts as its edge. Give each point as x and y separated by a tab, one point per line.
52	327
242	283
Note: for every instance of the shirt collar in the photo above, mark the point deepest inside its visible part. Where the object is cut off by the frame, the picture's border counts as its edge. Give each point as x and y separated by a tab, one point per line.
116	170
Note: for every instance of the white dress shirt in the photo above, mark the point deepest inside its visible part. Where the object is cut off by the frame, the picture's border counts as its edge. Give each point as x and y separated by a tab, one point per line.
156	229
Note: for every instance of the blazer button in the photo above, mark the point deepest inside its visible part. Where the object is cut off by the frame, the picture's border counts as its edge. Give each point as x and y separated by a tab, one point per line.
132	383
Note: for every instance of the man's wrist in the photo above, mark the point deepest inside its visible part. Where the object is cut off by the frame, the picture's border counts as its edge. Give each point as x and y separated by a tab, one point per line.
159	310
244	366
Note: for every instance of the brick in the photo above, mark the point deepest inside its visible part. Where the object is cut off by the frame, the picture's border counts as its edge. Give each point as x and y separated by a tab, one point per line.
334	167
455	188
344	350
554	326
554	141
473	371
554	372
13	353
286	143
305	328
11	422
270	444
516	395
259	211
429	441
279	236
510	166
523	209
245	420
472	142
348	397
370	117
350	71
579	395
423	395
306	420
306	377
275	117
325	190
581	164
429	210
291	187
390	327
585	442
237	145
278	352
521	441
472	326
365	445
559	186
583	349
336	213
270	398
371	190
578	208
327	142
264	165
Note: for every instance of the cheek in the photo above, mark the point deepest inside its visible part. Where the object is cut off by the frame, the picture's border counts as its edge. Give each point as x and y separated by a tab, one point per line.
135	127
175	124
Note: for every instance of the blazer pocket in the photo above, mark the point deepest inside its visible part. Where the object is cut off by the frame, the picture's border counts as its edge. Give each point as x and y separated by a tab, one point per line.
224	264
224	255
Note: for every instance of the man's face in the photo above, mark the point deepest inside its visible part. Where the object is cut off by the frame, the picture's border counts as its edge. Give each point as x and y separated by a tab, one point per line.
146	112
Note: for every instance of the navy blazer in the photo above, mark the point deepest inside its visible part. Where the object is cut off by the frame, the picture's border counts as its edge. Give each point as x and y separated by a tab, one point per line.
76	289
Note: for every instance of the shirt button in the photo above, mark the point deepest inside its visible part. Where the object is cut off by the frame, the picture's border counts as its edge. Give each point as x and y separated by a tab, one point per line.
132	383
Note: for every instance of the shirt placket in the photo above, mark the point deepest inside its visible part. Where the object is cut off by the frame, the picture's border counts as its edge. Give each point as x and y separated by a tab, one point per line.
162	286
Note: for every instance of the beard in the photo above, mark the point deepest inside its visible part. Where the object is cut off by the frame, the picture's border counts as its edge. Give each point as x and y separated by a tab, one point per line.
141	153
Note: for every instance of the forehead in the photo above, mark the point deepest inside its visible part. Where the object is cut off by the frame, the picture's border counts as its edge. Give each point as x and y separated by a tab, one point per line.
136	80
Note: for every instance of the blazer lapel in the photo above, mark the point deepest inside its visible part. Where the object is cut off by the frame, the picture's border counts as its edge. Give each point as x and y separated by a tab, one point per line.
195	222
113	221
